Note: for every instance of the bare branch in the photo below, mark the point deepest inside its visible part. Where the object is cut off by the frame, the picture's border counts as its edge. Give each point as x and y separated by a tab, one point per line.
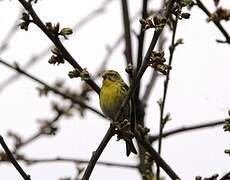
32	161
96	154
126	22
225	177
36	57
13	160
187	129
157	158
53	89
162	105
38	134
57	42
217	23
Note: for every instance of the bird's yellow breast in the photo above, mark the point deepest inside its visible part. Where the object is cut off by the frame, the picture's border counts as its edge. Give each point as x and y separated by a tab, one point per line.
111	96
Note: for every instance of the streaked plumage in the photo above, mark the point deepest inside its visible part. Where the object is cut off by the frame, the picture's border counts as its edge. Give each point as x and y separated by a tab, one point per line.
113	92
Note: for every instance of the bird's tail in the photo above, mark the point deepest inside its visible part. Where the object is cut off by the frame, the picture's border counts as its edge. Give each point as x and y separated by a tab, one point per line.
130	147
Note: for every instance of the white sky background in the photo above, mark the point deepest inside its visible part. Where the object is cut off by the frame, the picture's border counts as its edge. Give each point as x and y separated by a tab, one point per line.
198	92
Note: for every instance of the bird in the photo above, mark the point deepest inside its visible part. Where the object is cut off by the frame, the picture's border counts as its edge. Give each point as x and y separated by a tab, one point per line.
112	94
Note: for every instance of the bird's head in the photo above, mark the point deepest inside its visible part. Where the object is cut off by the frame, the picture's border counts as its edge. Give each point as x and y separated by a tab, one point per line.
111	76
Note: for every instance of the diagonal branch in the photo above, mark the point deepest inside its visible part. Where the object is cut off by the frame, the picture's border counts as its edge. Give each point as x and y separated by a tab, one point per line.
96	154
53	89
36	57
225	177
57	42
13	160
38	134
217	23
187	129
159	161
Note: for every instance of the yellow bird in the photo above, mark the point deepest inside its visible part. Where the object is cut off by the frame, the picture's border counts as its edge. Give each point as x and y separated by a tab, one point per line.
112	94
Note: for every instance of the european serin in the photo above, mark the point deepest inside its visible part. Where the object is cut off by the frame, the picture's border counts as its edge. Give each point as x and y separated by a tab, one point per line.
113	92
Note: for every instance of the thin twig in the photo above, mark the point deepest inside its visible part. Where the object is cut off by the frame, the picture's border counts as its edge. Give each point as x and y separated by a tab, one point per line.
162	104
57	42
53	89
141	37
96	154
38	134
217	23
127	34
36	57
32	61
155	74
32	161
13	160
137	102
186	129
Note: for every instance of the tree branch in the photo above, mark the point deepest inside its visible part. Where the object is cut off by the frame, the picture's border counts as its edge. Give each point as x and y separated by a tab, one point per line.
128	42
157	158
144	65
96	154
217	23
166	82
40	133
53	89
57	42
141	37
13	160
78	161
186	129
225	177
36	57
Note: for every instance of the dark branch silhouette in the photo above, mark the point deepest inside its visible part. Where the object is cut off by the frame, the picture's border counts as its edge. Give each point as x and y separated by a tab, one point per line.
187	129
13	160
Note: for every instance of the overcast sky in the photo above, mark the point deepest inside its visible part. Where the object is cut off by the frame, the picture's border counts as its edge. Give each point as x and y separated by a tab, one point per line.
198	91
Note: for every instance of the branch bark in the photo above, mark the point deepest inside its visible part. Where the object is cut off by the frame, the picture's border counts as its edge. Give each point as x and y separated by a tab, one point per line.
187	129
57	42
13	160
53	89
96	154
166	83
217	23
126	22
